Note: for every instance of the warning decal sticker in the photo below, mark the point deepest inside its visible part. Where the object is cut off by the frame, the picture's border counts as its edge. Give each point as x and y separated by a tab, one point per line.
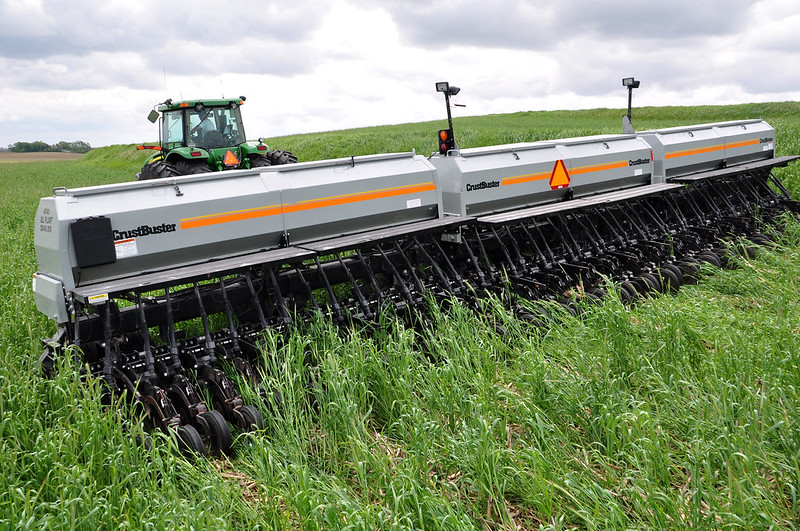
126	247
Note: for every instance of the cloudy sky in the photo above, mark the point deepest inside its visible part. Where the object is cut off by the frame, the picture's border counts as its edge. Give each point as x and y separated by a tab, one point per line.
92	69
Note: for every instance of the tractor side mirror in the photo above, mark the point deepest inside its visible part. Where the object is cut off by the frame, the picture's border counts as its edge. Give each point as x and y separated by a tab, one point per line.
153	116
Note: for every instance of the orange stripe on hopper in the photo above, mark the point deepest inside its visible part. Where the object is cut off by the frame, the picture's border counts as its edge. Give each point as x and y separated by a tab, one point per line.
526	178
240	215
575	171
709	149
599	167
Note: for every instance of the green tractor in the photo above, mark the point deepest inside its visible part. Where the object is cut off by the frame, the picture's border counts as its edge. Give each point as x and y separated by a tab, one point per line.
200	136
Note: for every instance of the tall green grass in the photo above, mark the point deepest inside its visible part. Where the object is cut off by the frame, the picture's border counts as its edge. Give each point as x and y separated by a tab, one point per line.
675	413
679	412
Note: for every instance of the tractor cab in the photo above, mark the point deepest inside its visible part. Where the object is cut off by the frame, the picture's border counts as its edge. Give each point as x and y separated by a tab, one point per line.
203	126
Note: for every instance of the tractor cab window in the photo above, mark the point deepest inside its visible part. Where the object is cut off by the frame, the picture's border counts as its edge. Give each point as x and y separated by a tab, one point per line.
215	127
173	128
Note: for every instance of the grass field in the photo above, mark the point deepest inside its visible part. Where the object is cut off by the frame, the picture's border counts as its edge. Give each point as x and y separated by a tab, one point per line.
681	412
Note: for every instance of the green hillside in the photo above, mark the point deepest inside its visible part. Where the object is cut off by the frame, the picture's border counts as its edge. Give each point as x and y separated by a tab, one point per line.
679	412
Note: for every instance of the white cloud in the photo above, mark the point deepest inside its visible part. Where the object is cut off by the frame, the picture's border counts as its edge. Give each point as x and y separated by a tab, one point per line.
92	70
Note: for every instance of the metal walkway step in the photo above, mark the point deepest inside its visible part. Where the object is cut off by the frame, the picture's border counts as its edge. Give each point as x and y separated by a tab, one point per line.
722	172
578	203
198	271
354	241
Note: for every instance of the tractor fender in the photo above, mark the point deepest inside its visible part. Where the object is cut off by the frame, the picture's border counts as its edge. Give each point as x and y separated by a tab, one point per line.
252	148
153	158
188	153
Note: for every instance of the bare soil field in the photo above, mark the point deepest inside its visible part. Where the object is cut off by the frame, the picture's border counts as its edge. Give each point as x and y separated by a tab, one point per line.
8	156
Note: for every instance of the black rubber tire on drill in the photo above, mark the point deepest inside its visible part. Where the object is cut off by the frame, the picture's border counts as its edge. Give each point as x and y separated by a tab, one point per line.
653	282
670	281
710	257
627	292
279	157
159	169
249	418
690	267
676	270
759	239
216	431
189	442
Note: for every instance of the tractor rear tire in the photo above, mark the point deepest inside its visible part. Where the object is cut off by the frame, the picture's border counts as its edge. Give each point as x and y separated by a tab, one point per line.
159	169
279	157
191	167
259	161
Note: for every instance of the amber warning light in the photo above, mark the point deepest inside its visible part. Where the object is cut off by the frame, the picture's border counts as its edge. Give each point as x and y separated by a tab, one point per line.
446	142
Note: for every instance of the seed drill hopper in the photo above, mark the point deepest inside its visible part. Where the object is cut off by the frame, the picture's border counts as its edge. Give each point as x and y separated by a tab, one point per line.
156	282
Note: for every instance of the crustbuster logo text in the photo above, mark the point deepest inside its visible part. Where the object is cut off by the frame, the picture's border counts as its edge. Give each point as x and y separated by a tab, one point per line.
144	230
483	185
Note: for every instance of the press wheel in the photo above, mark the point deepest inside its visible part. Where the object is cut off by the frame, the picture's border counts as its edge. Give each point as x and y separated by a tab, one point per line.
248	418
189	442
670	280
216	432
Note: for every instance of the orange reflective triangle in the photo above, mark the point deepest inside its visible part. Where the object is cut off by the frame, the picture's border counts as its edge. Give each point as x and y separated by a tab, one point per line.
230	159
560	177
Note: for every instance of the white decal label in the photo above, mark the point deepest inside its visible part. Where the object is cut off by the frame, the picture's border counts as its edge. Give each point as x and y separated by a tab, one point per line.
413	203
637	172
769	146
125	248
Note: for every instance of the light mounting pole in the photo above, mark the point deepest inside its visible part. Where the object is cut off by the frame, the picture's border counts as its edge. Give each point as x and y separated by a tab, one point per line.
630	83
447	141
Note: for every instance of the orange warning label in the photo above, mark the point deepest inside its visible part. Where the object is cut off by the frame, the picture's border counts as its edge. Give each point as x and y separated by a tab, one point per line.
560	177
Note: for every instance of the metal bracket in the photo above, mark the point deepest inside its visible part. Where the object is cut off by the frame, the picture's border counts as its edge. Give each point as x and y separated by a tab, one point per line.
453	236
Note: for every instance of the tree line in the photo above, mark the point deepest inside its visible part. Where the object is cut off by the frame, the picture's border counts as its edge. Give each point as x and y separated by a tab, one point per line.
79	146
